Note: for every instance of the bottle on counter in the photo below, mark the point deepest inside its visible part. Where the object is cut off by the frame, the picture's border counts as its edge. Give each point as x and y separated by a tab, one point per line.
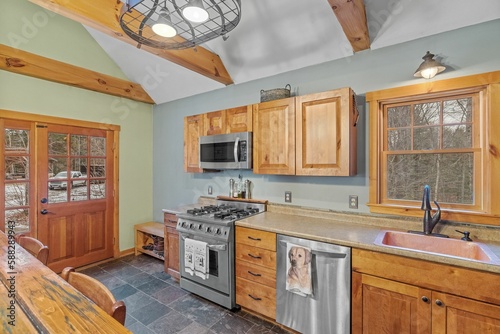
231	187
248	194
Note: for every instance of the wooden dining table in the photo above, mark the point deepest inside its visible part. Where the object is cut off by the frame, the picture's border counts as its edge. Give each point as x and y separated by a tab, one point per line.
34	299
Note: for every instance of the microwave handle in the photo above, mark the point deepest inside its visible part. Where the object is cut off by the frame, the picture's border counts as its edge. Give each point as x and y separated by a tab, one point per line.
236	145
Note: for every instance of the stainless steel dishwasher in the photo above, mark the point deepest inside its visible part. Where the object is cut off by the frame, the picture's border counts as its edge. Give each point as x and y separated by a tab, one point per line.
323	307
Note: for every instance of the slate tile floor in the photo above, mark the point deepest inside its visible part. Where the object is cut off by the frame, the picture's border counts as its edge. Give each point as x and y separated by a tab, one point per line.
156	303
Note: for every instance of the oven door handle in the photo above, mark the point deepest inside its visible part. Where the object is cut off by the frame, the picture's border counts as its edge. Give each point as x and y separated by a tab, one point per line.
216	247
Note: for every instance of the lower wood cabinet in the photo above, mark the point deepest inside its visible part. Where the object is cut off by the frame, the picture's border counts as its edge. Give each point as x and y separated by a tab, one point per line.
171	245
256	271
392	294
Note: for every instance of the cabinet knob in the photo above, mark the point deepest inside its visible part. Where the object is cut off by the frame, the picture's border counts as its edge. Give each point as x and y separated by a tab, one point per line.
439	302
425	299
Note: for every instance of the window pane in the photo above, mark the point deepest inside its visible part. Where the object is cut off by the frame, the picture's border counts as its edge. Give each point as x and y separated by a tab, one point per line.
21	219
457	111
16	194
78	145
16	168
398	117
97	167
399	140
16	141
450	177
426	114
457	136
98	146
57	143
79	165
97	189
426	138
58	165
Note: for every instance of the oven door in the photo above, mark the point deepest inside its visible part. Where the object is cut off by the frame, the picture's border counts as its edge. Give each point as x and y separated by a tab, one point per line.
218	263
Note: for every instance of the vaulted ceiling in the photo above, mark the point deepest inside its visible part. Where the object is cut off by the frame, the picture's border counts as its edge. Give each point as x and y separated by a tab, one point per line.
272	37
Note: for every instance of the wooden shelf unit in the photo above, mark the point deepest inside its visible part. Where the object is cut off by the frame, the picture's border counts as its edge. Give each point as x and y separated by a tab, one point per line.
143	233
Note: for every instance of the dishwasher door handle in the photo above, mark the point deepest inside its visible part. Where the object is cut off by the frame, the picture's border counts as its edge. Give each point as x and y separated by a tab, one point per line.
316	252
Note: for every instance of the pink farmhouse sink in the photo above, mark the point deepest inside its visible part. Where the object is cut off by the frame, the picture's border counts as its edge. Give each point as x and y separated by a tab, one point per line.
441	246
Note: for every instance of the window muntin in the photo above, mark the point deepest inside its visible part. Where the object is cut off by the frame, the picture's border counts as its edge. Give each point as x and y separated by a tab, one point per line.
432	142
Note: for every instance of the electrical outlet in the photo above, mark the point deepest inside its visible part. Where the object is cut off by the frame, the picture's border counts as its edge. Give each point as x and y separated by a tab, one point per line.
288	196
353	202
210	190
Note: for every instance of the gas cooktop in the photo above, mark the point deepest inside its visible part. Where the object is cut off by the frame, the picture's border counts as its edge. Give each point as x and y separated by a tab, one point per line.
224	212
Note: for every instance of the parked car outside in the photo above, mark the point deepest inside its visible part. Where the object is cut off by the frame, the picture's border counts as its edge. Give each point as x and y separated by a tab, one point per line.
77	179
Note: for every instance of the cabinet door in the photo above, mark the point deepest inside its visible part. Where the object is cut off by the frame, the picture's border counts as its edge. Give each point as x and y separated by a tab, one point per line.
172	257
326	134
239	119
452	314
384	306
274	137
193	129
214	123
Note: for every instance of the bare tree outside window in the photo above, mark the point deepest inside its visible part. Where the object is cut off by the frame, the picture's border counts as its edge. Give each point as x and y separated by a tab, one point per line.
430	142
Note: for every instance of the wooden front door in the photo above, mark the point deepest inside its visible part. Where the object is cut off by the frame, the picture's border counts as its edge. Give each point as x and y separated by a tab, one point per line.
75	191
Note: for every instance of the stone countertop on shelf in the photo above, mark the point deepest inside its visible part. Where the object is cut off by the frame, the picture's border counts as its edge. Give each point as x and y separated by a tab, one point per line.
360	231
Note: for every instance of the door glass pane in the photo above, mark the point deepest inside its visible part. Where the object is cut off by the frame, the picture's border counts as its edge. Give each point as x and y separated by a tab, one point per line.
57	165
97	167
16	140
450	177
16	194
97	189
58	195
17	168
78	145
79	165
21	219
79	192
58	143
98	146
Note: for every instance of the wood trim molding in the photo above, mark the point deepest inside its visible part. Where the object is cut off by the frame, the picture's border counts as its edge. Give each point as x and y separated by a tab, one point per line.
30	64
103	15
352	17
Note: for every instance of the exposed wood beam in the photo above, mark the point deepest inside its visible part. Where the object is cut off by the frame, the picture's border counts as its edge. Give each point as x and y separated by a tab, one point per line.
103	15
22	62
352	17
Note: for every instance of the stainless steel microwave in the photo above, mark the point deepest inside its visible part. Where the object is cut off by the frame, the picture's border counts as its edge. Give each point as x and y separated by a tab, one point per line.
226	151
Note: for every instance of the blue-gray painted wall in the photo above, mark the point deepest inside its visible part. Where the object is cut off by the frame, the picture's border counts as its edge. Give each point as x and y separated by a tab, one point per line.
470	50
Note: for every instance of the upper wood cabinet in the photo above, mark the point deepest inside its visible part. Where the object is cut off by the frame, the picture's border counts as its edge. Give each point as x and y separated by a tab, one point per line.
274	137
326	133
214	123
239	119
193	129
313	134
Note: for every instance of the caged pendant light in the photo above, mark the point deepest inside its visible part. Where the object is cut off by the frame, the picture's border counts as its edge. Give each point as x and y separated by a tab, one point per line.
178	24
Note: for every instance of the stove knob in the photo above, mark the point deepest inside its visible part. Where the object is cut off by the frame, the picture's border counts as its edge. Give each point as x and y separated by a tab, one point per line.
209	230
200	227
217	231
191	225
183	224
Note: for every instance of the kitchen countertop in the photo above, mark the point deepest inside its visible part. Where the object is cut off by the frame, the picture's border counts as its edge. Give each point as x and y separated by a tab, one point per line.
360	231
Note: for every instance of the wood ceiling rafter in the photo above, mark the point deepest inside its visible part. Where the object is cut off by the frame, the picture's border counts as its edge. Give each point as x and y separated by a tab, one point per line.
103	15
30	64
352	17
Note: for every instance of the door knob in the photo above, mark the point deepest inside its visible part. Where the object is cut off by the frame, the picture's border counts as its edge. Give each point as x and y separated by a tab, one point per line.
43	200
44	211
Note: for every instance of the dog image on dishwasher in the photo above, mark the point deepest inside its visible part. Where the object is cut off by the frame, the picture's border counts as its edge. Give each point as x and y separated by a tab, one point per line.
299	270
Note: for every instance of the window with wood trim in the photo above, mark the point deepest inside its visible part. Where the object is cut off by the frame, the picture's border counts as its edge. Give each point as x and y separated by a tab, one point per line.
441	134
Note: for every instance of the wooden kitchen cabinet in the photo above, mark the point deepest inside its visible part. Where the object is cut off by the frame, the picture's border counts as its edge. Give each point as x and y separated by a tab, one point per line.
193	129
171	245
274	137
313	134
214	123
239	119
256	271
326	133
393	294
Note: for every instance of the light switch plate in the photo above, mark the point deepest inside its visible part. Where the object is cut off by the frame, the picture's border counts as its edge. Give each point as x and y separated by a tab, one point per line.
288	197
210	190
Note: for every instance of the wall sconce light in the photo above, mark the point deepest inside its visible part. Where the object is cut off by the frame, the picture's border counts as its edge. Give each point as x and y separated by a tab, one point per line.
429	67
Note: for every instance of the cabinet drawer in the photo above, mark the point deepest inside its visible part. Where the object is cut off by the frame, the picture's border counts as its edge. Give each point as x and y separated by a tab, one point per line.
256	238
170	220
256	297
255	273
258	256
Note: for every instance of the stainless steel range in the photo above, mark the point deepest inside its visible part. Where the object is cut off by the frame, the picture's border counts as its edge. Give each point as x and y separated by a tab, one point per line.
209	272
